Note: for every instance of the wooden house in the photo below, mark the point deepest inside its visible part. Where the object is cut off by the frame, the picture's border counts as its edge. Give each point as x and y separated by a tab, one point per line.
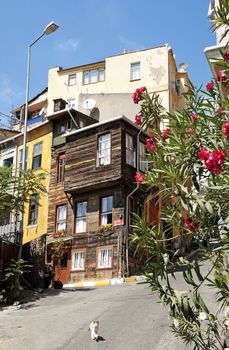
88	208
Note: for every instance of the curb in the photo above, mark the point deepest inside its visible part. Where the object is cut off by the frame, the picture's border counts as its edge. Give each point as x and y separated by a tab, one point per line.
107	282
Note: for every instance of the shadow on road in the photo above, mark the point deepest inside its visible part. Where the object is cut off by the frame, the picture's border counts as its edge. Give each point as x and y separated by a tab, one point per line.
28	296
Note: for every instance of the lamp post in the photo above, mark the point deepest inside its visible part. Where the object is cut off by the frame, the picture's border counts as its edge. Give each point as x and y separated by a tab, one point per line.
50	28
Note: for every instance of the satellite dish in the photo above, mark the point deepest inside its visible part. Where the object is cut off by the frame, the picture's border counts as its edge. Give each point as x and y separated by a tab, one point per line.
89	103
183	67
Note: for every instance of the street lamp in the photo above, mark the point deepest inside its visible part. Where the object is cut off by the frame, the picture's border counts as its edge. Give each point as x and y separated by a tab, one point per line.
50	28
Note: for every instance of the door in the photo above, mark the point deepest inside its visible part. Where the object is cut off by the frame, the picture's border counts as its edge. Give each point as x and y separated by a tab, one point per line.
61	270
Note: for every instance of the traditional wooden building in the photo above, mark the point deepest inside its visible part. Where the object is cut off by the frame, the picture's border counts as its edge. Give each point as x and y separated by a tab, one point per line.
88	207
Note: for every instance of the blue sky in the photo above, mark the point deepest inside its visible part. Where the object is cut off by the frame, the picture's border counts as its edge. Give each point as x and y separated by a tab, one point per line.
91	30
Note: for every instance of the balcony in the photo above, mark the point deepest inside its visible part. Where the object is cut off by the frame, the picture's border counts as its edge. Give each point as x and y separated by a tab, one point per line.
10	232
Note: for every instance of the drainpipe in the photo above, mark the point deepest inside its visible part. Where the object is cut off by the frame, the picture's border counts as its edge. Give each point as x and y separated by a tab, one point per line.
127	206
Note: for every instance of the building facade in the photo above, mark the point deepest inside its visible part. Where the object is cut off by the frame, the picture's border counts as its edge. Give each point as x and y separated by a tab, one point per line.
88	200
102	90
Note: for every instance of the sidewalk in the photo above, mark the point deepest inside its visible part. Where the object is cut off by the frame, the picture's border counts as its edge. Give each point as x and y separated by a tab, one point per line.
106	282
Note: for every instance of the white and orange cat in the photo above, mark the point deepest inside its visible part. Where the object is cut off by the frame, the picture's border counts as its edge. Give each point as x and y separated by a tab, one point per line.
94	329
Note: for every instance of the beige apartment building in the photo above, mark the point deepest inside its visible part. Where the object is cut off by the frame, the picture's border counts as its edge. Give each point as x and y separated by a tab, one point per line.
103	89
222	39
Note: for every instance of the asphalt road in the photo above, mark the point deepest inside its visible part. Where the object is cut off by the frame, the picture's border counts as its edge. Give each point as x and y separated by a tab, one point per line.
130	318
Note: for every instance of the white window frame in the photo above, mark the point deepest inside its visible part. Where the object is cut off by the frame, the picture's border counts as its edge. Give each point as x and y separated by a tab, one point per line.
135	71
106	210
61	222
72	79
78	260
104	150
130	151
63	126
20	158
37	154
81	220
94	75
143	163
104	257
33	209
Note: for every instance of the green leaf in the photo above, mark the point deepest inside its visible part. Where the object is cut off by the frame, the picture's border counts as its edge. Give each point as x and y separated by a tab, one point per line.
209	207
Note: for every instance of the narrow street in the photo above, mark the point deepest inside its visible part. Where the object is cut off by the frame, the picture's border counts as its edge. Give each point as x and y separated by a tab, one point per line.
130	318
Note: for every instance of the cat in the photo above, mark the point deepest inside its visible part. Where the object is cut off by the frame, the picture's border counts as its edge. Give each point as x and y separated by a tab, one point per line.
94	328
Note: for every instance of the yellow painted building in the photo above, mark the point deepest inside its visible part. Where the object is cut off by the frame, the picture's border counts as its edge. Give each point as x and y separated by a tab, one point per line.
39	142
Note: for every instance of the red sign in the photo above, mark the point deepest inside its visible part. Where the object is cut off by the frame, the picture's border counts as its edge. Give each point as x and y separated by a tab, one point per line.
118	223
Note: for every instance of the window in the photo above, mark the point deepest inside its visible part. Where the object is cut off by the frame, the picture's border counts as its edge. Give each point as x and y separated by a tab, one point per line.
93	75
33	209
71	103
20	158
104	150
60	169
63	126
130	153
37	155
104	258
72	79
142	154
78	260
8	162
81	212
135	71
178	87
106	210
61	211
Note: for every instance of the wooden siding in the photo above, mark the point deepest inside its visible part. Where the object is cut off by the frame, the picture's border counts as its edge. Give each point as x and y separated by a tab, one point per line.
57	196
81	163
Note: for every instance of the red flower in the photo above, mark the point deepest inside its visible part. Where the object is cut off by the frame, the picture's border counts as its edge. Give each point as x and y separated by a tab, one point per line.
138	177
203	154
138	119
226	56
151	142
213	160
222	77
137	95
194	118
210	86
191	225
165	134
226	130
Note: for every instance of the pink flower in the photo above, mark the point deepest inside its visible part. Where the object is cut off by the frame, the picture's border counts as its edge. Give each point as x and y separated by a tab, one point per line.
191	130
203	154
138	119
191	225
165	134
210	86
219	109
222	77
137	95
226	130
194	118
138	177
226	56
213	160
